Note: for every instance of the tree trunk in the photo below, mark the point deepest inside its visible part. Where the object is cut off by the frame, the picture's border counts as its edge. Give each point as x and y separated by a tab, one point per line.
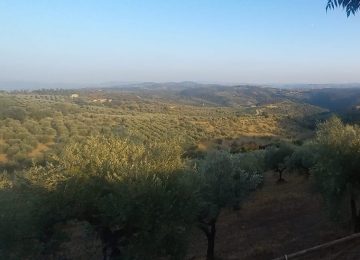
110	243
211	242
105	253
357	225
110	253
354	215
281	179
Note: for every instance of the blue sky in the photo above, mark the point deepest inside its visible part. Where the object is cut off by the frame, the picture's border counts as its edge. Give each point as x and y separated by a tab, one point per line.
222	41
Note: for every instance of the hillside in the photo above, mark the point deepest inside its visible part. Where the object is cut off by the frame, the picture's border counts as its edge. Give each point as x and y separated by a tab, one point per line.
36	123
205	94
335	99
70	152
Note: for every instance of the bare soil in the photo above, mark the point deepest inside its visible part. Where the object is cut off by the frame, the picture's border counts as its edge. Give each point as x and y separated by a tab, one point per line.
279	219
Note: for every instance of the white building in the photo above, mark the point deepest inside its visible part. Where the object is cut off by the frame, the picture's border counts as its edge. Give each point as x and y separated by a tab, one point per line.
74	96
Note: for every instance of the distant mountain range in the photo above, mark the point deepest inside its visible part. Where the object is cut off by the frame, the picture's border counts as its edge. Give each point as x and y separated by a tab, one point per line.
29	85
340	98
335	97
317	86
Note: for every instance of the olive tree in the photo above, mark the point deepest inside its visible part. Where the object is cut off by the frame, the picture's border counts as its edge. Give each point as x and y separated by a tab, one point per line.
223	183
22	229
276	158
138	198
303	158
337	167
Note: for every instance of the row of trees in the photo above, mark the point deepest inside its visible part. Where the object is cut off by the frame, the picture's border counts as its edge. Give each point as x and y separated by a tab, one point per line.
30	125
332	160
143	199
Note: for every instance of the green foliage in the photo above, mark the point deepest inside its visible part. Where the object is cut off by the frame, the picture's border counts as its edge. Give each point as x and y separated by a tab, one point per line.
48	119
252	162
226	180
338	163
276	156
20	233
139	198
116	158
157	214
132	184
350	6
303	158
14	112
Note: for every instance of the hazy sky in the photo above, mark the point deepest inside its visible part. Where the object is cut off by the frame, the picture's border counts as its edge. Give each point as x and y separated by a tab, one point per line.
231	41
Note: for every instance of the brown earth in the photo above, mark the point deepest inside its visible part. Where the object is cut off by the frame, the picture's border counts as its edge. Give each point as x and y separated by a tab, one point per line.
279	219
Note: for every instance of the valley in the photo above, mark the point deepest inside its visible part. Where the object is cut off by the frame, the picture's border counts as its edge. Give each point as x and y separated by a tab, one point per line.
122	134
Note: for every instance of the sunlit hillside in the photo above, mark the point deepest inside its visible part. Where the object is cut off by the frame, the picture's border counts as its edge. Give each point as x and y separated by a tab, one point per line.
34	124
